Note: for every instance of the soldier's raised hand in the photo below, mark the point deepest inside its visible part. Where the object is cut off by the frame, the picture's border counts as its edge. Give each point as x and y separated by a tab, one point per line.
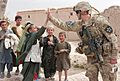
48	14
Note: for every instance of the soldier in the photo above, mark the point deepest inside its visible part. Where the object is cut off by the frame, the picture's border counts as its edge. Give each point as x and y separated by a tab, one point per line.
98	41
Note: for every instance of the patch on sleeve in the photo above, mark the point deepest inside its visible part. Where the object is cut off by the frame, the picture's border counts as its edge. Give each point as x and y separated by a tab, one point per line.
109	29
70	23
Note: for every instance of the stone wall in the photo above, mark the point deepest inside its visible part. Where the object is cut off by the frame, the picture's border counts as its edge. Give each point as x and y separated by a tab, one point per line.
3	4
38	17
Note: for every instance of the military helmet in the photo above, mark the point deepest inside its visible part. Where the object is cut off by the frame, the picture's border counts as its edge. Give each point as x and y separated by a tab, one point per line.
82	6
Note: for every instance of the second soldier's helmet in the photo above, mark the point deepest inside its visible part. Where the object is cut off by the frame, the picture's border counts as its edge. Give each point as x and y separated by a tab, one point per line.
83	6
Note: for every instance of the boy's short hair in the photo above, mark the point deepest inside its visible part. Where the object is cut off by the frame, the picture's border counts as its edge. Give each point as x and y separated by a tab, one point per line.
3	21
50	27
29	26
63	33
18	17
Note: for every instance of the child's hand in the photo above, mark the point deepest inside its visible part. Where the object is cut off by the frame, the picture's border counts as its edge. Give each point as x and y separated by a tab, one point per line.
50	43
63	50
1	37
45	24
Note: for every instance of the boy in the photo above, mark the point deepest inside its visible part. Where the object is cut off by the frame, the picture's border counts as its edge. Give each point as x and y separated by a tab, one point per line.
48	55
17	29
5	50
30	53
62	51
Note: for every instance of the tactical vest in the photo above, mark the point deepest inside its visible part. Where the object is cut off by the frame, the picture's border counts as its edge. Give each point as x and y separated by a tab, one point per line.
95	35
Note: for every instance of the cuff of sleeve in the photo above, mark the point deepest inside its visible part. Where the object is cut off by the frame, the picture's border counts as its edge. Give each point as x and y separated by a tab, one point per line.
114	57
43	27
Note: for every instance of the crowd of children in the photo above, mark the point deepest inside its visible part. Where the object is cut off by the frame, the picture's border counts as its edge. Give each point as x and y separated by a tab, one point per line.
26	42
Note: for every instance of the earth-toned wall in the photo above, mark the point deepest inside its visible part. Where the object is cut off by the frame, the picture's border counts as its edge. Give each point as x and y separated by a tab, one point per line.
38	17
3	4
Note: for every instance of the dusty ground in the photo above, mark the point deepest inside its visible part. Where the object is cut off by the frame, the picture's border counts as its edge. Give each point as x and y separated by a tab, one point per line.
74	74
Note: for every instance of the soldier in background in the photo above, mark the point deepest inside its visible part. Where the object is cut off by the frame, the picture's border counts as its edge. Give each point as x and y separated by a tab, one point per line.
95	27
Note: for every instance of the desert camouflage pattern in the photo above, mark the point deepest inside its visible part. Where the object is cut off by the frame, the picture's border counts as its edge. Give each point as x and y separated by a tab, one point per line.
99	27
83	6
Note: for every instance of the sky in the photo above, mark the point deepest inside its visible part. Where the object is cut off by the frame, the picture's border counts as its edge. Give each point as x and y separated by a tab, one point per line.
13	6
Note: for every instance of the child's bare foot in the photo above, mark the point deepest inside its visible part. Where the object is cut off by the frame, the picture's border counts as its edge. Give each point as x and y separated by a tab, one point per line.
47	79
52	78
66	80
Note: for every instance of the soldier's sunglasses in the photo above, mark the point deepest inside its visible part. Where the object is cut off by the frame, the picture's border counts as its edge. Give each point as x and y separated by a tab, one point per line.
83	12
78	11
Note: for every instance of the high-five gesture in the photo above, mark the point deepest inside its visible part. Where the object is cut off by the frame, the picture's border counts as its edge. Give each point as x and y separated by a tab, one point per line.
48	14
46	21
48	17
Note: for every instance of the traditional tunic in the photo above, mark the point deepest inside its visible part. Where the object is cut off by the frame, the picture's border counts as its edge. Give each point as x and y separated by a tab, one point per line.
17	30
22	42
34	54
63	59
48	57
23	39
5	53
31	66
32	63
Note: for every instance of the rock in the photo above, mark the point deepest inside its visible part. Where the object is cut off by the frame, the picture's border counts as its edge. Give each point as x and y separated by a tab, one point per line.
13	78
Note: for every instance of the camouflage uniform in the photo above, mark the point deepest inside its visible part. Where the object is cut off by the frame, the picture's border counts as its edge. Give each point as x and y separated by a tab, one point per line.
99	28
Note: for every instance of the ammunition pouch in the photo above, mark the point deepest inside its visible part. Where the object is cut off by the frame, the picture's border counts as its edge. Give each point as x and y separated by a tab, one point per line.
114	49
79	50
107	48
87	50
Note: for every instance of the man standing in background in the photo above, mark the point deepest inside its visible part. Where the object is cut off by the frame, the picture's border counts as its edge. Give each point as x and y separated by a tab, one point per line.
17	29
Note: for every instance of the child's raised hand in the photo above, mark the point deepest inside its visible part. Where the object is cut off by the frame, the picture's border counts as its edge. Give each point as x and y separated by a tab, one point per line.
50	43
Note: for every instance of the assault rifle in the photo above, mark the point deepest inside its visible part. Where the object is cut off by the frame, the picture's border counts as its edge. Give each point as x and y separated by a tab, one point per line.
94	45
